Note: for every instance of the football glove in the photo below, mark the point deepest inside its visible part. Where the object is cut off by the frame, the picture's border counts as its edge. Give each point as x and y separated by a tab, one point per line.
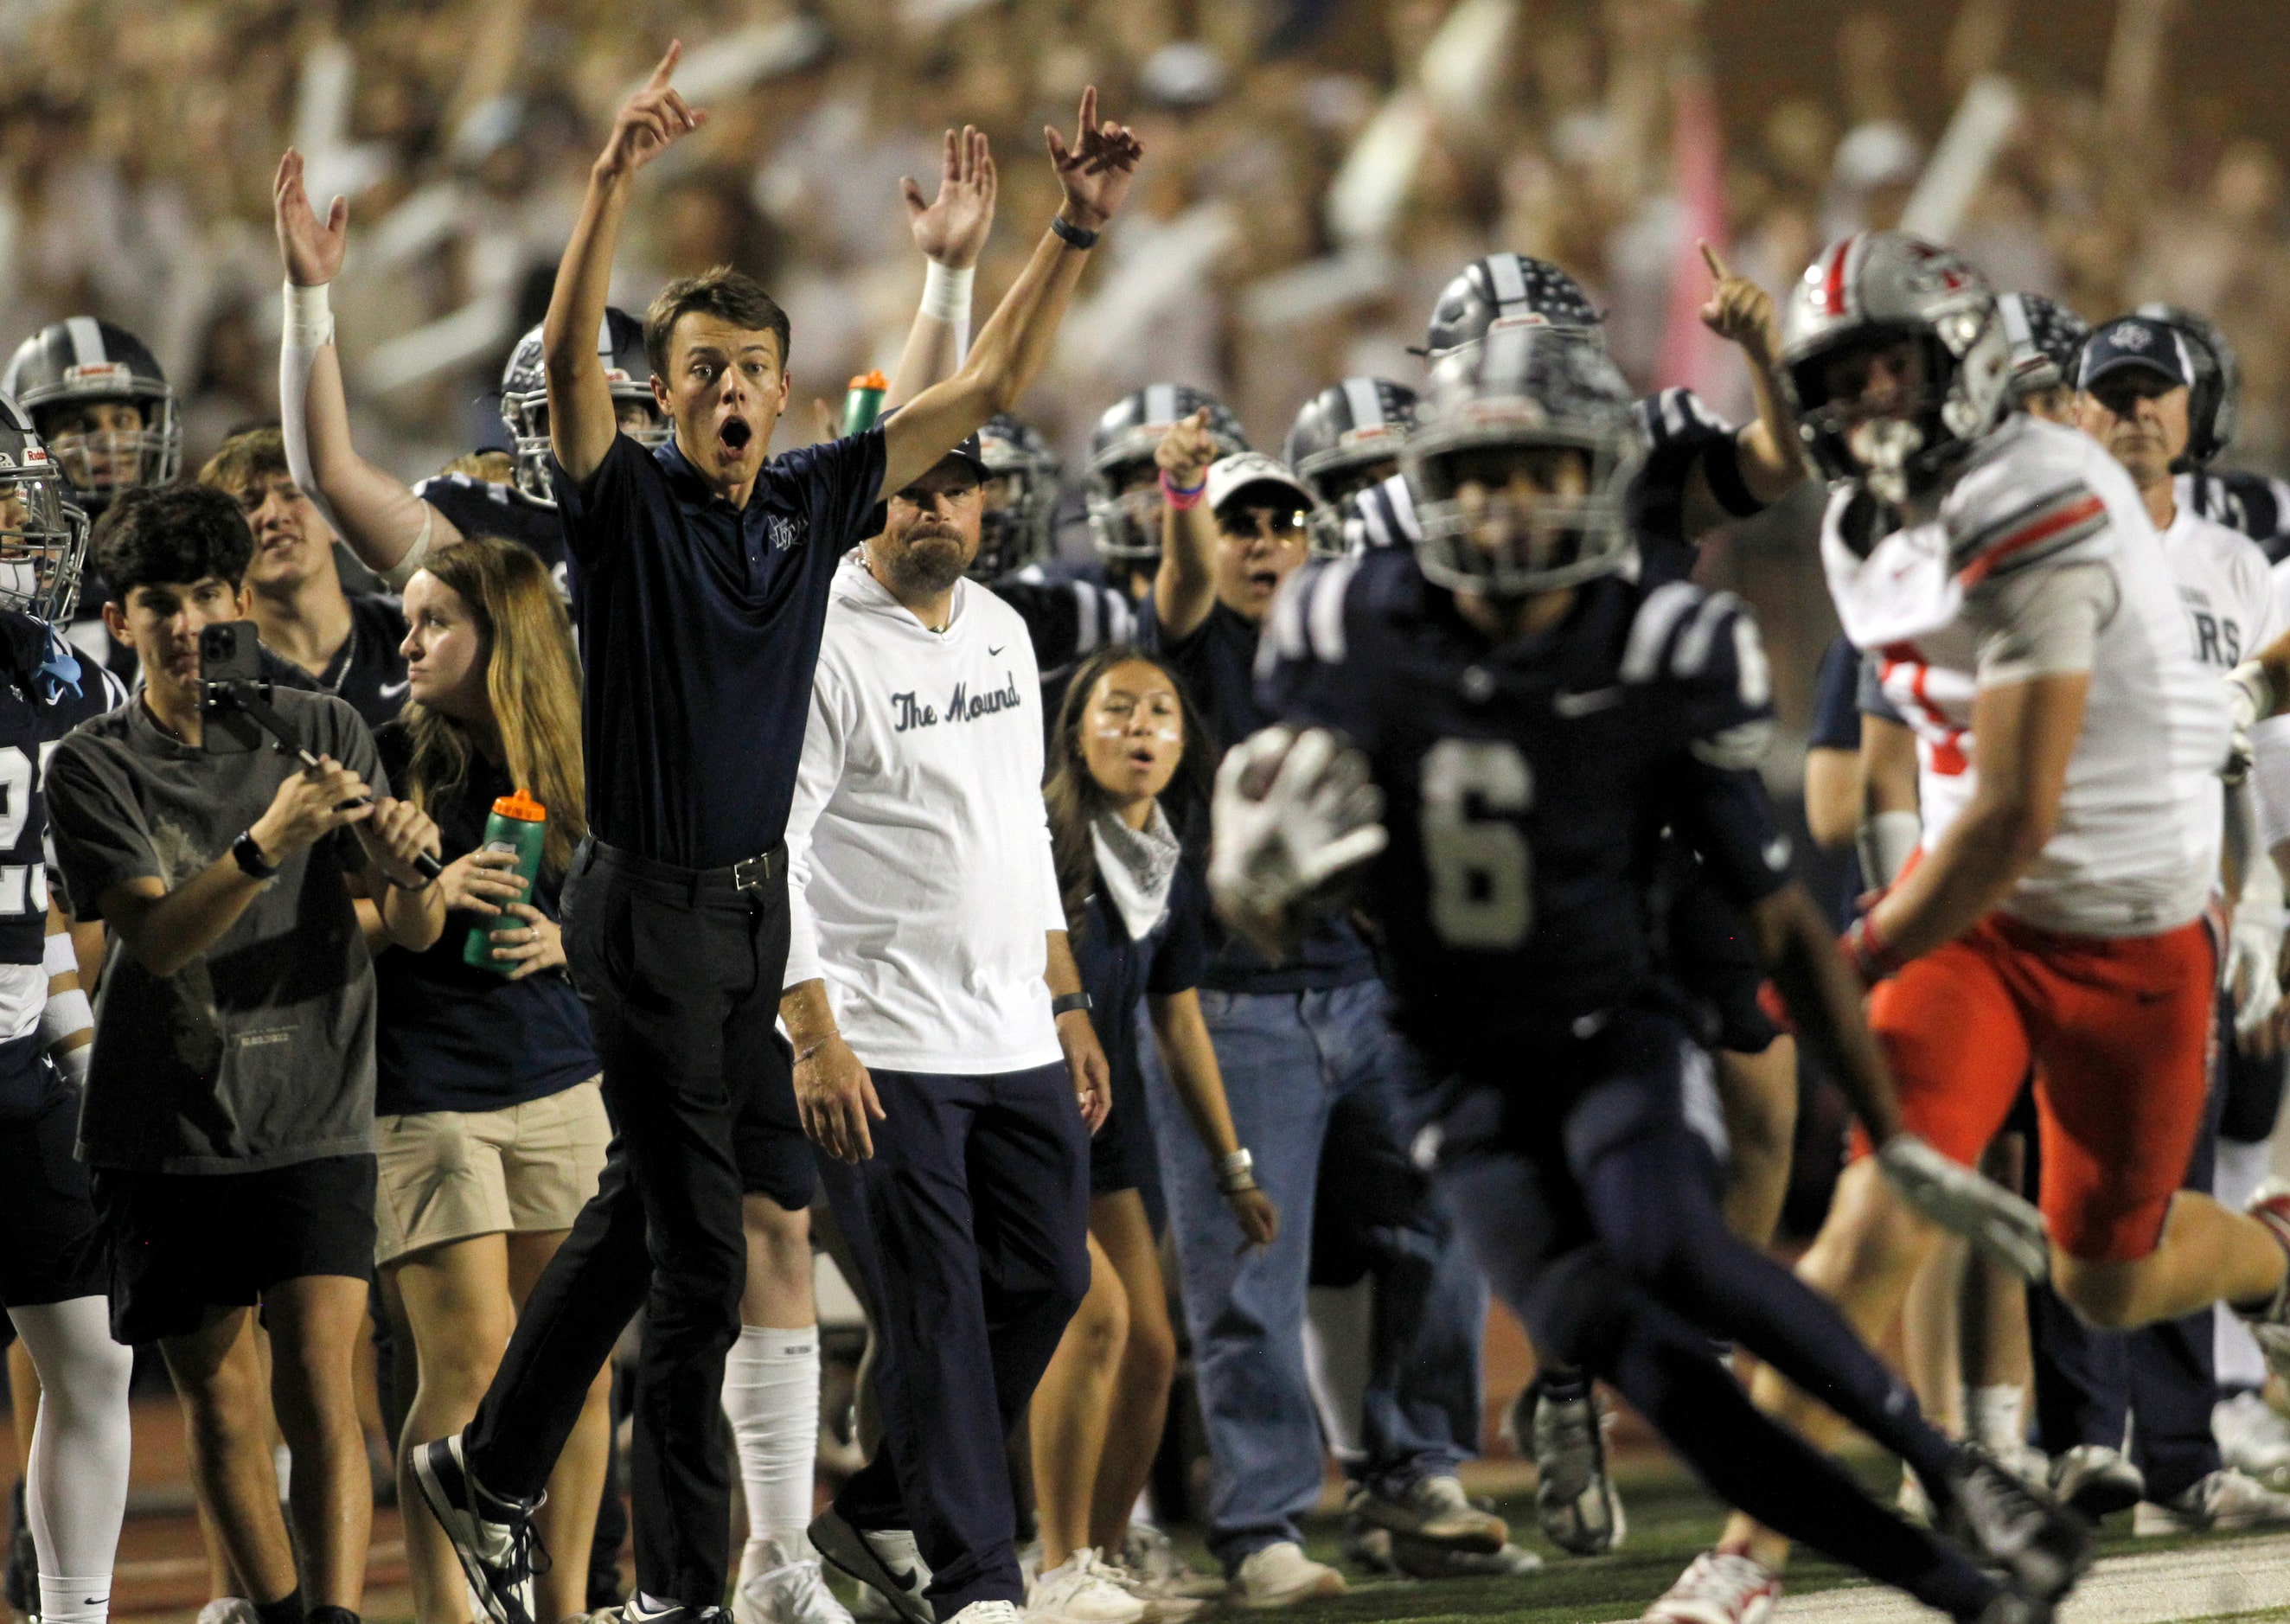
2005	1227
1293	811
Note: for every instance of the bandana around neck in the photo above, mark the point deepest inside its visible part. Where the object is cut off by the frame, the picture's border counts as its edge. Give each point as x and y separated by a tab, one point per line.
1136	867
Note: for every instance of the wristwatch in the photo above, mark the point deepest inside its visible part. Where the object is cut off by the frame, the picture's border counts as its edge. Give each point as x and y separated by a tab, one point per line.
249	857
1066	1003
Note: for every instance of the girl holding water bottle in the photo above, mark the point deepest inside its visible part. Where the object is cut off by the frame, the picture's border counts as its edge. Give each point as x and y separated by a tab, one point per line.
490	1126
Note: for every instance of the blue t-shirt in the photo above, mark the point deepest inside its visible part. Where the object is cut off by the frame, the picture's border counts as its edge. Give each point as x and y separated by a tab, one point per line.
700	627
1217	664
451	1037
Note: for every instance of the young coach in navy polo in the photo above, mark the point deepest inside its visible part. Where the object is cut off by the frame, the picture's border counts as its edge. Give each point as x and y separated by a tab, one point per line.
704	572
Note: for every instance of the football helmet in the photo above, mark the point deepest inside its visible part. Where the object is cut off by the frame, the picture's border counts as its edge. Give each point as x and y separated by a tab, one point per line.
2046	340
2214	399
1021	489
1506	290
1527	388
65	375
1873	290
1348	435
42	533
1125	507
524	398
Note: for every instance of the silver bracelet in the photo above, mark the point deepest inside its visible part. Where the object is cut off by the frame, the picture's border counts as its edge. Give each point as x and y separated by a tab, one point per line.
1235	1172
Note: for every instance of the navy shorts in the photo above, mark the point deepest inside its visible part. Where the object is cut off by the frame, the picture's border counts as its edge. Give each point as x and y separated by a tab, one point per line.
184	1244
50	1248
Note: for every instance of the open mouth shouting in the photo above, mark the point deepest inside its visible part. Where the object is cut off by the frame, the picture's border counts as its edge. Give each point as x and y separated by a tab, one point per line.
735	435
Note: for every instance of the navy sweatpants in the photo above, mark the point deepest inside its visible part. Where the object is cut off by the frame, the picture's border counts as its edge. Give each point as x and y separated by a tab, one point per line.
971	1225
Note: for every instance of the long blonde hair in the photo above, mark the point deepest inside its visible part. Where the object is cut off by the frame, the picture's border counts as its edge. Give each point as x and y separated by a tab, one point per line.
532	680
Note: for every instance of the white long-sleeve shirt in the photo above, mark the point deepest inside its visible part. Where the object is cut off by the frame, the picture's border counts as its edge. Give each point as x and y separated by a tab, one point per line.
920	884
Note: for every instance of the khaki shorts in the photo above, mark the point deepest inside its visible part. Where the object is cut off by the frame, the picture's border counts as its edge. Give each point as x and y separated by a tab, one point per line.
448	1175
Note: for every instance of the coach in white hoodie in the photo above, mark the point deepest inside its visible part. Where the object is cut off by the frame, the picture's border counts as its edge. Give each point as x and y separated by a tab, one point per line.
944	1057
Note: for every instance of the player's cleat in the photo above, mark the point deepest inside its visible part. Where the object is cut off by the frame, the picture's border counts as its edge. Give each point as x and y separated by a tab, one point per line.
792	1593
2042	1544
1366	1546
494	1538
2097	1480
890	1570
1720	1587
1574	1498
1147	1553
1281	1575
1081	1591
1436	1511
2253	1437
1420	1559
2225	1501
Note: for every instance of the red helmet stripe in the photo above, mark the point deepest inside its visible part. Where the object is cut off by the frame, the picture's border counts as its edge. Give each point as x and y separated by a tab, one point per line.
1832	292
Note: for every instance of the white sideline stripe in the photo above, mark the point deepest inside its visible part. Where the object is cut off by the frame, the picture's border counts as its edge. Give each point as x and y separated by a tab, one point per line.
2196	1582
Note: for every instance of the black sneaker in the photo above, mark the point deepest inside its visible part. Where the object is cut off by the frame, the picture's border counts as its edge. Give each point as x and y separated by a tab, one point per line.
885	1560
499	1549
2041	1545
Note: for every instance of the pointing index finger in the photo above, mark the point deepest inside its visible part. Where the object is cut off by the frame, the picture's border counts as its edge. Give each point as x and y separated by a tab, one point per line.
1709	258
660	75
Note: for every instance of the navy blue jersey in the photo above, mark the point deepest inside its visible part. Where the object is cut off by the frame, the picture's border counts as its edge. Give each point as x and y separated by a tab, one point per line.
47	688
480	508
2255	504
1526	785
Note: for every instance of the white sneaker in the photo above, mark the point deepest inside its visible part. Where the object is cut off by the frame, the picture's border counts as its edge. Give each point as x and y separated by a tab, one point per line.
229	1610
1082	1590
1147	1554
1162	1606
988	1613
1435	1509
1719	1589
793	1593
1281	1575
890	1571
2097	1480
2252	1437
2226	1501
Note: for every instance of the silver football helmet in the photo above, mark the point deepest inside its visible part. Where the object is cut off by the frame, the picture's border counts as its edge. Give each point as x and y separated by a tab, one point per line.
1021	490
524	398
1125	502
1346	437
78	380
1502	407
42	533
1867	292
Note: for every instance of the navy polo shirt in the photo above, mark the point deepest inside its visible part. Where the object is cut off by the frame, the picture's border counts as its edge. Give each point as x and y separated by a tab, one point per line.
700	627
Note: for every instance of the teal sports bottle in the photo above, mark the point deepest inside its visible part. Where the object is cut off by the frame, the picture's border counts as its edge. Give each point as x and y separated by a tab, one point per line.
517	824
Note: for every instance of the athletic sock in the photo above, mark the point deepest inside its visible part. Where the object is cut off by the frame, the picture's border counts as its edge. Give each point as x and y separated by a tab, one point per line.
1664	1367
1996	1417
286	1610
771	1396
77	1472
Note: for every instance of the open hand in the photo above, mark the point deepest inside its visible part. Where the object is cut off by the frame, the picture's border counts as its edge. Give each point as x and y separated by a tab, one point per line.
1096	170
310	248
649	121
1741	312
952	229
835	1096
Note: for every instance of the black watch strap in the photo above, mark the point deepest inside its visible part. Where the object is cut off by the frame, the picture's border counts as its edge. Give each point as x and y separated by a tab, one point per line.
250	858
1066	1003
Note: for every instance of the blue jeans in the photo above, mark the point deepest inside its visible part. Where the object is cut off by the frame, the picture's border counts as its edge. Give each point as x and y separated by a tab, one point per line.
1287	1058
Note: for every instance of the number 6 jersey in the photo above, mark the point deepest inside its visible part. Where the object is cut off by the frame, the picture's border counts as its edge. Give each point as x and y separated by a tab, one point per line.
1525	783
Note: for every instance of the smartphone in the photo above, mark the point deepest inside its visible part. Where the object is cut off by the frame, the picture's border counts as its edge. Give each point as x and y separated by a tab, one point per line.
231	657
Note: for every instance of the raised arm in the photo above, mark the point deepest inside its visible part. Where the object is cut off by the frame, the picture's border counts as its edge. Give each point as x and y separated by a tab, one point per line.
1772	460
1094	174
951	230
581	422
1184	590
388	527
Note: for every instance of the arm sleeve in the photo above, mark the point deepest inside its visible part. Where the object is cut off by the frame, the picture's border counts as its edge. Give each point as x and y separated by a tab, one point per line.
100	837
1066	621
295	364
849	474
1300	662
821	771
2036	623
599	516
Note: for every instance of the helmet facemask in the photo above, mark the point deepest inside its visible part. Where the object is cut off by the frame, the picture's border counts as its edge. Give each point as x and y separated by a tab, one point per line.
1513	505
1903	450
100	462
43	544
1125	509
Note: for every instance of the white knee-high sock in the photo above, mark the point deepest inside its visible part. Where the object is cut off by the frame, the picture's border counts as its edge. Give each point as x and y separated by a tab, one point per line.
770	1393
2236	1359
76	1482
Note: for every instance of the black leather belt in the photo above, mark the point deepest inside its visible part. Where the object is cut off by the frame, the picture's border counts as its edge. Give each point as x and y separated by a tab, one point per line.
732	882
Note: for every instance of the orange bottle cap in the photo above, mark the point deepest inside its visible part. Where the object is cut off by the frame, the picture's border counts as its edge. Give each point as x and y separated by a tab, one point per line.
870	381
521	806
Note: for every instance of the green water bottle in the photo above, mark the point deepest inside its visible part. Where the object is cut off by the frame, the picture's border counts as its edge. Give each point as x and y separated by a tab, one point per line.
516	827
862	403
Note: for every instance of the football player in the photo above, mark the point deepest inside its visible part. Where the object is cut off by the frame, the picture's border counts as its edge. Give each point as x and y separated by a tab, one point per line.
1529	710
1345	441
2056	918
1127	511
53	1274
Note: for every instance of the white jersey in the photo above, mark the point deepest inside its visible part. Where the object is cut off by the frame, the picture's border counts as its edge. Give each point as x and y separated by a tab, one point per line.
2227	586
2136	848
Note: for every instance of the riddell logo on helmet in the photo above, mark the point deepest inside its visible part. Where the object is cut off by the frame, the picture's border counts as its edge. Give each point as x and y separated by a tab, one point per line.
1523	319
100	371
1365	435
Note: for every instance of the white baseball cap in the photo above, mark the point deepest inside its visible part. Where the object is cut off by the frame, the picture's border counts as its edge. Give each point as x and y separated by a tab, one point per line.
1230	476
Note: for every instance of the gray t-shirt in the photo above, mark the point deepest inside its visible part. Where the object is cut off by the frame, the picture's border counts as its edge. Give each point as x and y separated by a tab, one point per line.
259	1053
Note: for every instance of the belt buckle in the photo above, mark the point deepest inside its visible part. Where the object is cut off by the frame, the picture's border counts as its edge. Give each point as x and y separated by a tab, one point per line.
751	873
